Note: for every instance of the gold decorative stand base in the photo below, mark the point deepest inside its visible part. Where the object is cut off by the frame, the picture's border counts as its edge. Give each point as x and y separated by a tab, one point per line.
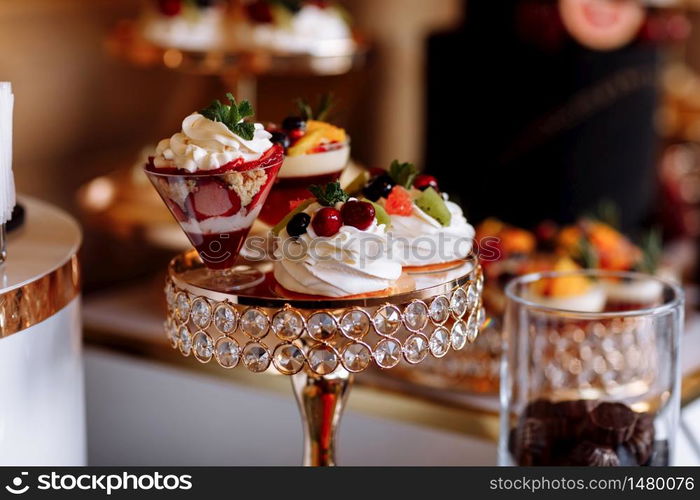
320	342
321	403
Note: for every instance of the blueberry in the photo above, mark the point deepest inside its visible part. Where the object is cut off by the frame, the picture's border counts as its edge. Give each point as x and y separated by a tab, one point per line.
380	187
280	138
294	123
297	225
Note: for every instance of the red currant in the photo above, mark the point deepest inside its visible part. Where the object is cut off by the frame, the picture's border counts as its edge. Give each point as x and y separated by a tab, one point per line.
359	214
327	222
424	181
170	7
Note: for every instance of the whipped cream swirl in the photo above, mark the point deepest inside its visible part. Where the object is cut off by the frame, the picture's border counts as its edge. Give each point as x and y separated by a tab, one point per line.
204	144
420	240
350	262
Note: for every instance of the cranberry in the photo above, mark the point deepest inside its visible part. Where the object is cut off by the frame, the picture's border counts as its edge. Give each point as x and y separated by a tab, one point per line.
359	214
424	181
297	225
170	7
294	123
296	134
327	222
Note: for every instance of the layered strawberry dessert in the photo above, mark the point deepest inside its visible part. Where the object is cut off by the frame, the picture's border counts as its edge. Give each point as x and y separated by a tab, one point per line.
333	245
315	27
185	24
214	176
428	230
316	152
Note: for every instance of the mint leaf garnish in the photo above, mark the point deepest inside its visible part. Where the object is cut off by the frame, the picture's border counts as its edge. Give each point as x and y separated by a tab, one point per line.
232	115
585	254
330	194
403	173
652	249
325	104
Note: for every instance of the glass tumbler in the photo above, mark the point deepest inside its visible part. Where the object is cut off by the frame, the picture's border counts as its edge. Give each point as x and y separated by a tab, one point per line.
590	373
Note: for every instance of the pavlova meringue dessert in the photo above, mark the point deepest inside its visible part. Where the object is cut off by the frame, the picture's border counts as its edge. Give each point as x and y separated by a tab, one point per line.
315	27
185	24
214	176
335	246
429	232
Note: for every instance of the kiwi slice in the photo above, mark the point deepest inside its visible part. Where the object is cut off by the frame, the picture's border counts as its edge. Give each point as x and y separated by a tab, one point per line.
432	204
380	214
300	208
357	183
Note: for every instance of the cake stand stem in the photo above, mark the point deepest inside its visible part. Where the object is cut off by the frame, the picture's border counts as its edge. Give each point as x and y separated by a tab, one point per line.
321	402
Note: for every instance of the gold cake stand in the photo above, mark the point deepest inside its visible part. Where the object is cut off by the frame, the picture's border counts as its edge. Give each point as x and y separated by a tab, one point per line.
320	343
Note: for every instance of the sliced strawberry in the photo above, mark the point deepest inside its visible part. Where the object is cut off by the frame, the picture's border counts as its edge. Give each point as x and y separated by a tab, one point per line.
214	199
176	210
267	158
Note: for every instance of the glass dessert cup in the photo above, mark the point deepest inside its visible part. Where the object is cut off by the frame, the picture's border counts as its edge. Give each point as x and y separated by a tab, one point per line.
590	388
297	174
216	210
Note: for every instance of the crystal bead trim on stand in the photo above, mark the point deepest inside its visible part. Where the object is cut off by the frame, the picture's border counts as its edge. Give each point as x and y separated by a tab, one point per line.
323	359
227	352
355	324
225	318
290	338
288	359
387	320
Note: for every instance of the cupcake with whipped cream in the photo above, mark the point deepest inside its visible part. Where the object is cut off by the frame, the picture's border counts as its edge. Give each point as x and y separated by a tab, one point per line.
335	246
314	27
185	24
429	231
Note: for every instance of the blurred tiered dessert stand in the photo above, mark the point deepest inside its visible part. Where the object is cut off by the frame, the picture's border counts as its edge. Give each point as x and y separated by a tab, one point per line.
320	343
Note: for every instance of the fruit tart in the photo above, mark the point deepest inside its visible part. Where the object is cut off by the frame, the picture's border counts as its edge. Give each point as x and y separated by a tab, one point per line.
214	176
316	152
333	245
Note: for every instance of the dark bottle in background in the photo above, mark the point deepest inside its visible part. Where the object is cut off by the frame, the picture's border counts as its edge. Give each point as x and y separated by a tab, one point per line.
527	124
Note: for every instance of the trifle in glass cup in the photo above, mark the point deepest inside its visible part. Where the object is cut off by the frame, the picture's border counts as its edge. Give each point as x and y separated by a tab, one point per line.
215	176
316	153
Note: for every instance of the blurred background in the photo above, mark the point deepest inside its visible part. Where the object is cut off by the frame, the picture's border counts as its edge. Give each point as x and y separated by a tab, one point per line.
527	114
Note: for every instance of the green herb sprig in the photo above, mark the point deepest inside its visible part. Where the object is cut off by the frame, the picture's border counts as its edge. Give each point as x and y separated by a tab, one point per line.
330	194
325	104
403	174
586	255
232	115
652	249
